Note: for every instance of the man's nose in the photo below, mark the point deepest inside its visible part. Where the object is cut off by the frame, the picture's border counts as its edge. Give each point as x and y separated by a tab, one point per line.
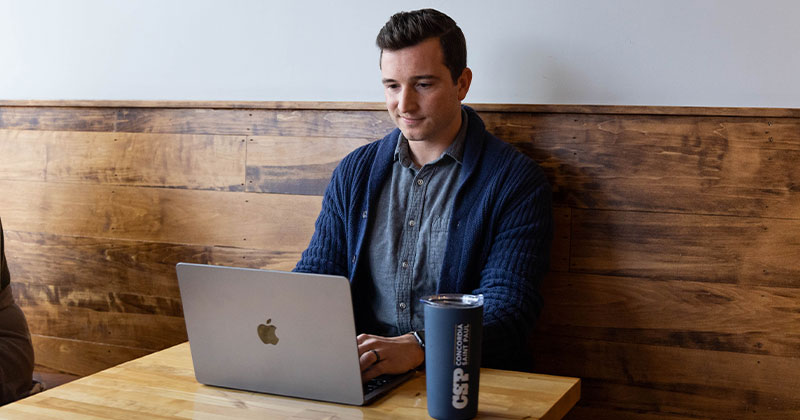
407	102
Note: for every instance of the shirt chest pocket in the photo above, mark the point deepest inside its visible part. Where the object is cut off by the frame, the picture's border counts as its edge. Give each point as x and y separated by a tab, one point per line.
437	243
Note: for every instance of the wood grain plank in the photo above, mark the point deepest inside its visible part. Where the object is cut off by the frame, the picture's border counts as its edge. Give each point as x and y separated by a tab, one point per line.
256	122
275	222
22	157
104	266
184	121
740	250
294	165
562	237
145	331
614	401
674	381
57	118
698	315
333	123
172	160
100	265
80	357
558	128
68	296
739	166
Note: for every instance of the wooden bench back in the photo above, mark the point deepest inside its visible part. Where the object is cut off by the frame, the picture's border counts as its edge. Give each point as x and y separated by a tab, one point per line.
675	283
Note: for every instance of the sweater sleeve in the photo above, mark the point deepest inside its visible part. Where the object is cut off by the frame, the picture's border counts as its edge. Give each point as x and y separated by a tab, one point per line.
518	259
327	251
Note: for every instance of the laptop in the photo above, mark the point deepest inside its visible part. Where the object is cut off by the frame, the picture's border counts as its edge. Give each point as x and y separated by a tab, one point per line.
275	332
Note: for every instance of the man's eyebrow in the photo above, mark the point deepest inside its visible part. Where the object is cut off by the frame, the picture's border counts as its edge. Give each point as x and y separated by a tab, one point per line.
414	78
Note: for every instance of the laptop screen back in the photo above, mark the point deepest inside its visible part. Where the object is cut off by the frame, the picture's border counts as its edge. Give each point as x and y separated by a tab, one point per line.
275	332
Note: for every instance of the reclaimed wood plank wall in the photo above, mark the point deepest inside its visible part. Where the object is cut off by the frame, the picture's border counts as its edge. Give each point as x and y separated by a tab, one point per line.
675	283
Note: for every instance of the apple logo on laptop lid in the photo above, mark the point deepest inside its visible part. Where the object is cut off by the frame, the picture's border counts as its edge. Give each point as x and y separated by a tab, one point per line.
266	332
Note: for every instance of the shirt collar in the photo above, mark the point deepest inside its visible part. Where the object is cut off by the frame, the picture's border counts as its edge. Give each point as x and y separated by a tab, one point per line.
455	150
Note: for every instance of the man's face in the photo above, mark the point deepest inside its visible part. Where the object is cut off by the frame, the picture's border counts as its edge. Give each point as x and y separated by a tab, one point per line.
420	94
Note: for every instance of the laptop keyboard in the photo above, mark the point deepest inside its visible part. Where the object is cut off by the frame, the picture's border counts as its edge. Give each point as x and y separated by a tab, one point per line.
378	382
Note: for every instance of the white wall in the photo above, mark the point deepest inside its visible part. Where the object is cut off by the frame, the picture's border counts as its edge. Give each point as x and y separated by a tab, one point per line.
628	52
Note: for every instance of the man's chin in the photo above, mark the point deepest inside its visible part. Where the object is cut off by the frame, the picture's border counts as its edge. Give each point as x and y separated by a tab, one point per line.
411	136
414	133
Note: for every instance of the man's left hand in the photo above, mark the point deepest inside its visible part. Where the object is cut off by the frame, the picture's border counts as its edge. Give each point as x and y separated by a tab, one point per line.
388	355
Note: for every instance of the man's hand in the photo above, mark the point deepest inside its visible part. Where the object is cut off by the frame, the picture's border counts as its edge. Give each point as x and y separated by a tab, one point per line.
392	355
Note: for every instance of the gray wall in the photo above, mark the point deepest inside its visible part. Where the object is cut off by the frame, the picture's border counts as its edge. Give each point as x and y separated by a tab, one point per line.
626	52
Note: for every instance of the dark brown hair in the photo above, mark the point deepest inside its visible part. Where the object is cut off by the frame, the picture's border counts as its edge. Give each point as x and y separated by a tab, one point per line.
406	29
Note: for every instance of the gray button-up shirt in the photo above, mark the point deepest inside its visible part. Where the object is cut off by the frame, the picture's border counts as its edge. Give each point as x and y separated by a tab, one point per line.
408	238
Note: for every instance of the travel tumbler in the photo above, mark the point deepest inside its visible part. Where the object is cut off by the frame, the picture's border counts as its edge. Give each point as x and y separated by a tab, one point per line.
453	329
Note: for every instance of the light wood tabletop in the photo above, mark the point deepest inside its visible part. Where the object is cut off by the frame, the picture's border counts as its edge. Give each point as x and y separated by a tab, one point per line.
162	386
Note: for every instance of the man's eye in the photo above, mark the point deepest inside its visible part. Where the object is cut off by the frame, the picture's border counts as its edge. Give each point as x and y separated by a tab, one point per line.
424	85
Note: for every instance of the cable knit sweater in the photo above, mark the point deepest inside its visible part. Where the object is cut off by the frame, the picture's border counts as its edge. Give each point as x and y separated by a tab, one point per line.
498	243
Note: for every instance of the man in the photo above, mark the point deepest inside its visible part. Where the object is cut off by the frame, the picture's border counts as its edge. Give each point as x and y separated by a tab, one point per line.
16	352
437	206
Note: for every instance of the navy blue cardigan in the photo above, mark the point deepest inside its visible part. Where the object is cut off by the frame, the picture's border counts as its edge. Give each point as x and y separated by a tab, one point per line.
498	243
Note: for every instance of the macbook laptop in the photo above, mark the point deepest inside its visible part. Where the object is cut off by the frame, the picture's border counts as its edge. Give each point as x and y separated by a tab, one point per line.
275	332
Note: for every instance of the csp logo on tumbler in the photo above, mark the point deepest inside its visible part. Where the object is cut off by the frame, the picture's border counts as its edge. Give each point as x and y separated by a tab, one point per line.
460	388
461	358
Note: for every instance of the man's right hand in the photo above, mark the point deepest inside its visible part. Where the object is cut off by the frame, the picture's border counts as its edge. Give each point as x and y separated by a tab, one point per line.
388	355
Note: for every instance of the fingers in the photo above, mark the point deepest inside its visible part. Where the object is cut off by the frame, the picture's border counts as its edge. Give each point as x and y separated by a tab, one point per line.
375	367
373	372
368	350
368	358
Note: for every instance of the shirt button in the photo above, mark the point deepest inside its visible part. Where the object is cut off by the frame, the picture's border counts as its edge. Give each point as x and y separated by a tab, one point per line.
364	214
402	305
404	264
411	222
354	259
420	182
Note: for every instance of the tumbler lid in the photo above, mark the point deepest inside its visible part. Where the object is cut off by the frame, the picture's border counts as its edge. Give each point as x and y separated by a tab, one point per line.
454	299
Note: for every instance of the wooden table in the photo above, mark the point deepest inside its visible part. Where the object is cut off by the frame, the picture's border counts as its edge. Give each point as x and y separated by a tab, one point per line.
162	386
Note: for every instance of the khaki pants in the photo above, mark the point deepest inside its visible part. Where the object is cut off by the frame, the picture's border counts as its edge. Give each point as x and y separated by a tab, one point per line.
16	352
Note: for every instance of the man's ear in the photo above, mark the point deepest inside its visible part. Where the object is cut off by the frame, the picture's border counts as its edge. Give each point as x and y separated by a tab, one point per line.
463	82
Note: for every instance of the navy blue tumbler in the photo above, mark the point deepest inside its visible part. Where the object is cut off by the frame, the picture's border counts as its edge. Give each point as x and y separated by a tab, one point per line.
453	330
